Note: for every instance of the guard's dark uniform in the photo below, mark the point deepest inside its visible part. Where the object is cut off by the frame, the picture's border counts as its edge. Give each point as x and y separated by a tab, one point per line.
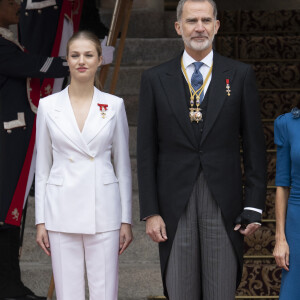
38	23
16	123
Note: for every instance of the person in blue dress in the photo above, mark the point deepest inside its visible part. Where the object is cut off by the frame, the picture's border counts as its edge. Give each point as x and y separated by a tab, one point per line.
287	203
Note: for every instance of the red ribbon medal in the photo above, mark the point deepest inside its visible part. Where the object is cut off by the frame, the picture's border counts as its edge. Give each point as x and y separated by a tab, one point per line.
103	109
228	87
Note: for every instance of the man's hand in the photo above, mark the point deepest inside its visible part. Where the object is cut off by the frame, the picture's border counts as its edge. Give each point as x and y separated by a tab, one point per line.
248	222
282	254
250	228
156	229
126	237
42	238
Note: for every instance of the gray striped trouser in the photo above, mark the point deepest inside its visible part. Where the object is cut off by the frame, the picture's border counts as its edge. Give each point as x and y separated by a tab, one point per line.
202	263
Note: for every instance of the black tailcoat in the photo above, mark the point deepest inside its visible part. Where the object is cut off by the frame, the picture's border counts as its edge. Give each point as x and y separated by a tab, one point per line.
170	157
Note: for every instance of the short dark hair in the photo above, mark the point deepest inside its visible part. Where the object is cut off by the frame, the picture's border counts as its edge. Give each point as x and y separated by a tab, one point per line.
182	2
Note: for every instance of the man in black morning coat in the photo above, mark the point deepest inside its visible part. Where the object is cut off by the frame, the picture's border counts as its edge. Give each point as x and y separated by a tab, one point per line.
189	172
16	123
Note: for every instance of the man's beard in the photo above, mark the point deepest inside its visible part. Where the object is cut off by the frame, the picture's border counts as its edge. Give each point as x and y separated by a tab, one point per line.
196	45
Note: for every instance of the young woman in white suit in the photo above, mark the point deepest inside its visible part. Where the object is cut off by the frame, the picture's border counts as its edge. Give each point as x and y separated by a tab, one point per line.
83	200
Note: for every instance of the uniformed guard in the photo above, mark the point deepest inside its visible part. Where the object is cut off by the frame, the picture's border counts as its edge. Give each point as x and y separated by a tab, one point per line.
20	90
46	26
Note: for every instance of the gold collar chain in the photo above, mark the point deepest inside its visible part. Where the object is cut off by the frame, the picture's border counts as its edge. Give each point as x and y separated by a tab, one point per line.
195	113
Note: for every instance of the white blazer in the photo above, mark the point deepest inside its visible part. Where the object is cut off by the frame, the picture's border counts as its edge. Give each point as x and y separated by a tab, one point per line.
77	188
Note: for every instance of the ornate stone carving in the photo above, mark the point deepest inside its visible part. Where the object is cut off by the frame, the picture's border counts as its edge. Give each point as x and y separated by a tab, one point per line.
277	75
260	278
274	103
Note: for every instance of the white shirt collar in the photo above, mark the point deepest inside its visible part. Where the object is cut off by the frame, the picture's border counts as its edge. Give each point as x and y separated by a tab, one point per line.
188	60
9	35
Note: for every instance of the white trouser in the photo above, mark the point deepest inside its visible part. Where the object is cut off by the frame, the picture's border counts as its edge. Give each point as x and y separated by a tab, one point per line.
98	251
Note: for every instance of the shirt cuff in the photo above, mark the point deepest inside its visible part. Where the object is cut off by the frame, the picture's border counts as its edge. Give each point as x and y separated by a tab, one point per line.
254	209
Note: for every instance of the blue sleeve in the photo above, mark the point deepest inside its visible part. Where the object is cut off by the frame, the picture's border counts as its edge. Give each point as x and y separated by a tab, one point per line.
283	161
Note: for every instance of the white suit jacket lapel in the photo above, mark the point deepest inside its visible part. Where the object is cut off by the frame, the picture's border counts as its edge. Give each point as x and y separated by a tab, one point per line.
95	122
63	116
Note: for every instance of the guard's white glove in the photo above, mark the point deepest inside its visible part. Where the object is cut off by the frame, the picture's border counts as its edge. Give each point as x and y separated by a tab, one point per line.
107	52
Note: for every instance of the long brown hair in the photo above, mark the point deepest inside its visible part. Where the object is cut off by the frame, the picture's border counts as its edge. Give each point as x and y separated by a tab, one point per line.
88	35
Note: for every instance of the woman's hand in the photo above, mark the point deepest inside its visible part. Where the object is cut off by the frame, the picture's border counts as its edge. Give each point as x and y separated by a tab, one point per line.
282	254
126	237
42	238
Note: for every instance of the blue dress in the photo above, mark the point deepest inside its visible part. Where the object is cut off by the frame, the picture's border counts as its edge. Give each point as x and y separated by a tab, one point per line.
287	139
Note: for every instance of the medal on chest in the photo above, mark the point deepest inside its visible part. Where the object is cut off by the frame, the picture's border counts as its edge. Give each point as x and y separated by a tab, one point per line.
228	91
103	109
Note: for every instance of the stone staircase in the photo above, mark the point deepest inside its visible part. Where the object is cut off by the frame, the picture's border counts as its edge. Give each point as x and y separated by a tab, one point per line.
269	41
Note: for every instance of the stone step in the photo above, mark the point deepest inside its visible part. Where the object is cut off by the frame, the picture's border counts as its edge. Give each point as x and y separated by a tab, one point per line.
152	51
272	75
145	24
131	106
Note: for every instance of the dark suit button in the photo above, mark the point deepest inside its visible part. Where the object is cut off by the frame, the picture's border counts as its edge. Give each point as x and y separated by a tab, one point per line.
200	151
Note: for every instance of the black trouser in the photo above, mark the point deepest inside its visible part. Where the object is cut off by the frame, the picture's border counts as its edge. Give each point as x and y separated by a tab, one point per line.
10	275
